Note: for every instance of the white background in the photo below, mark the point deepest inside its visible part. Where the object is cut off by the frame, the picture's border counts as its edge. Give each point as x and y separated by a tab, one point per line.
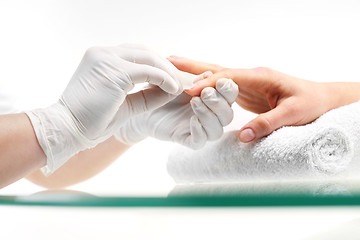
42	42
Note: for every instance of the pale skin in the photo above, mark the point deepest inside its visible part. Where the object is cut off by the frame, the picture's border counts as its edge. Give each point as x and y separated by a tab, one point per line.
20	153
82	166
279	99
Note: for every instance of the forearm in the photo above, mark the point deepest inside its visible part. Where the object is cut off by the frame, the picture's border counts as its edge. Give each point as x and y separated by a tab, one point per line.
82	166
20	152
343	93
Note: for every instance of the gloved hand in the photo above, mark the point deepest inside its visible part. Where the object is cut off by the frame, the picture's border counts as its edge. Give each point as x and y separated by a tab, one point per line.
185	120
96	102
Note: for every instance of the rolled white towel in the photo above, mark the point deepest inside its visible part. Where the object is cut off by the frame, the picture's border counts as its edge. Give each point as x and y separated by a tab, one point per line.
324	147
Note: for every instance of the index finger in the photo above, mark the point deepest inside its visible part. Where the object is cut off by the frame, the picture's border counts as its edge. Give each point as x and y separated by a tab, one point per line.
256	78
192	66
207	82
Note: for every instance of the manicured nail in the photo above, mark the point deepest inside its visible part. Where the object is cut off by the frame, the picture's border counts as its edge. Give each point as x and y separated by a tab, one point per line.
247	135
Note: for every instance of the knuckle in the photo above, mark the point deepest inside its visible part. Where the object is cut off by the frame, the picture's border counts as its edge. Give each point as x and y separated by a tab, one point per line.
228	73
94	54
291	110
267	73
265	124
93	51
217	68
295	114
151	59
262	70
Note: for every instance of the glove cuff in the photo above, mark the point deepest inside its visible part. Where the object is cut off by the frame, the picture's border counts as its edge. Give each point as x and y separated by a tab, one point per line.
57	135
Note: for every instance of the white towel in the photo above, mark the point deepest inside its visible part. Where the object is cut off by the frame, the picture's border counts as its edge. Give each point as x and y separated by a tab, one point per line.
324	147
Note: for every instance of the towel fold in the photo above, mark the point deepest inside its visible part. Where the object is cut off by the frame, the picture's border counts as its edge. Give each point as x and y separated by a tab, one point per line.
324	147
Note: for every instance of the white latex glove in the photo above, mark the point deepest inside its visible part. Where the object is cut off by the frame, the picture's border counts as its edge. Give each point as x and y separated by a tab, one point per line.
186	120
96	102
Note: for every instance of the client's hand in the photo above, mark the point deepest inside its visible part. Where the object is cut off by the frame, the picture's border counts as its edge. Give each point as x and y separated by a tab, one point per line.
187	120
279	99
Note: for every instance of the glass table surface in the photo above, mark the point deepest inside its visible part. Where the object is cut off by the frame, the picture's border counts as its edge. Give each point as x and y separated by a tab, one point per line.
246	194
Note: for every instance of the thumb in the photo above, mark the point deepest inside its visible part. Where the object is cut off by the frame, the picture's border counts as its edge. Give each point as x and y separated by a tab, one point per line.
266	123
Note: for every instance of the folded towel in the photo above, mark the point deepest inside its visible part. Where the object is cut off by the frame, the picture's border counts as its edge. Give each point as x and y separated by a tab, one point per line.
324	147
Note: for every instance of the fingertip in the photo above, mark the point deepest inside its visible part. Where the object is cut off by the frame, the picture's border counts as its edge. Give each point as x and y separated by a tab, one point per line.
188	92
171	88
194	92
247	135
198	87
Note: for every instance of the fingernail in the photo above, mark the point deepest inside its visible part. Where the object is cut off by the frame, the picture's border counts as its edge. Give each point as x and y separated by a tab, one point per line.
247	135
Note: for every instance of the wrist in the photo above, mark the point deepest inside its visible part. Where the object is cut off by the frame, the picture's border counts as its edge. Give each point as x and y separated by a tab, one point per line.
57	134
342	93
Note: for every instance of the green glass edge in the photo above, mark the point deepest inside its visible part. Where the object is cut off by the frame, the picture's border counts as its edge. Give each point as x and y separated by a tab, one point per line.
185	201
